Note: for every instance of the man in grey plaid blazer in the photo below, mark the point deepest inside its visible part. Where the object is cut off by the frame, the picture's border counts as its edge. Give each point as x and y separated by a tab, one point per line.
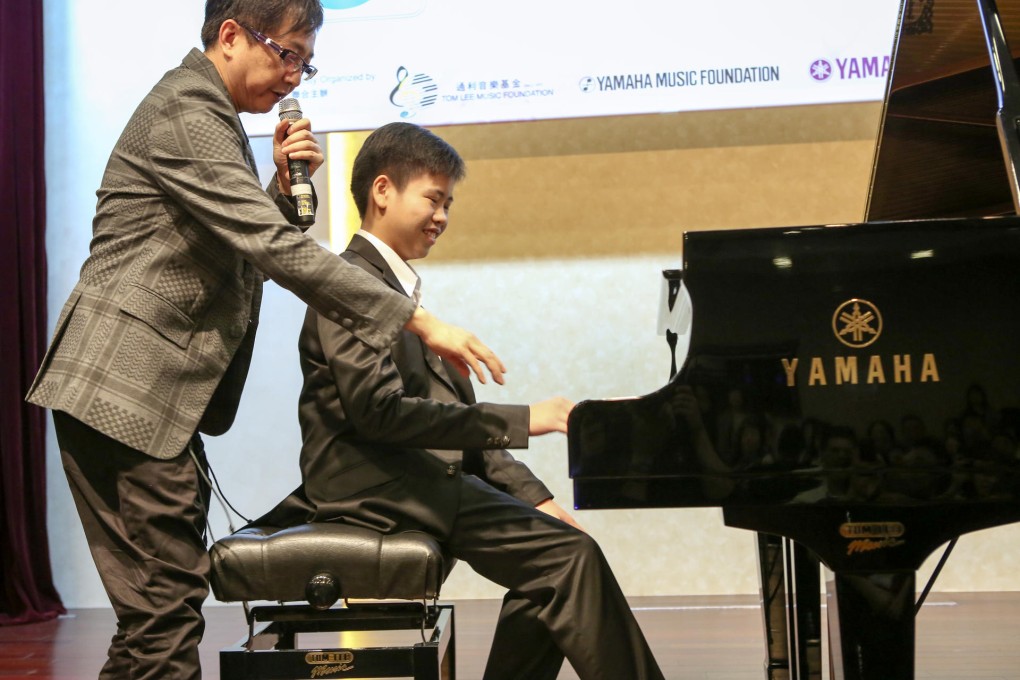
154	343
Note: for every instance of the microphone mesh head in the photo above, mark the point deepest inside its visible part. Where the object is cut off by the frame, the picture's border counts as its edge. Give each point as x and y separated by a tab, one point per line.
290	109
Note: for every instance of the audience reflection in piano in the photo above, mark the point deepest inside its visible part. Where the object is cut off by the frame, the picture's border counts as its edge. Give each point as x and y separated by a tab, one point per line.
669	436
774	404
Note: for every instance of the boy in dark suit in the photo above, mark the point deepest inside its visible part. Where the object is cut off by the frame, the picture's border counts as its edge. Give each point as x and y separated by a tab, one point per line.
394	441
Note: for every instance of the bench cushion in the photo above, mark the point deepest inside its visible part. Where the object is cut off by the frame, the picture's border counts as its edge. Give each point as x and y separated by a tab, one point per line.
270	563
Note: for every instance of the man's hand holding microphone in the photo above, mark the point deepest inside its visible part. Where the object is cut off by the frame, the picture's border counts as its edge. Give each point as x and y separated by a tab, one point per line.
297	156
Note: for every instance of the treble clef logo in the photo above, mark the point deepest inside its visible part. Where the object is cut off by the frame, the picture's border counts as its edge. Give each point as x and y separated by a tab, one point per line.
402	74
413	92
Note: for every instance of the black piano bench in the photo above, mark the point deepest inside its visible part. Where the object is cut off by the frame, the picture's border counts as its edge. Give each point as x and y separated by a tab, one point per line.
319	564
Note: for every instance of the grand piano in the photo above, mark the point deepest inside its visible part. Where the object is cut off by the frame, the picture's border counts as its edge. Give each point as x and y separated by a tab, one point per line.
850	392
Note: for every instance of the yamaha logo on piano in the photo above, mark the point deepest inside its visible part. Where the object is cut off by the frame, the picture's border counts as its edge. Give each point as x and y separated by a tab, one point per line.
857	324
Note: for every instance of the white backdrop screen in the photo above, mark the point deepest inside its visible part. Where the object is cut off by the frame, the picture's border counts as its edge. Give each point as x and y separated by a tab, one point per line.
439	62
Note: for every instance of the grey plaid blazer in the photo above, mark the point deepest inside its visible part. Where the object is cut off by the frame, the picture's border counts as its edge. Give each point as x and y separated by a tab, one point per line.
155	340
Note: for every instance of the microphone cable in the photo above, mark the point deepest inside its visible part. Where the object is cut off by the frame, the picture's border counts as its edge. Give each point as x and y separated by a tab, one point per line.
214	487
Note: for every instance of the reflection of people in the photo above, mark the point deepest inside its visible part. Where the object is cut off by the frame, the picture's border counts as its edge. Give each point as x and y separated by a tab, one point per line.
881	442
912	431
154	343
394	441
977	405
839	455
813	430
844	476
751	443
685	405
728	426
975	436
922	472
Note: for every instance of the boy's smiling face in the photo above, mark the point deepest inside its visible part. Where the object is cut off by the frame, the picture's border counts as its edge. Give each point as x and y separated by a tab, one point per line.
412	219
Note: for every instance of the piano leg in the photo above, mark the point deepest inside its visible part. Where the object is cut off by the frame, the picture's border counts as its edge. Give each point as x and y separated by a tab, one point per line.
807	611
772	552
790	580
871	625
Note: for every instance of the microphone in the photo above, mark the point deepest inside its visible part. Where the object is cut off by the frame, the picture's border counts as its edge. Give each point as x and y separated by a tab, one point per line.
300	181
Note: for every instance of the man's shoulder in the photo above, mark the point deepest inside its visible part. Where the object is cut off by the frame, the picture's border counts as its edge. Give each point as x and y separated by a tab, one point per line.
195	78
187	100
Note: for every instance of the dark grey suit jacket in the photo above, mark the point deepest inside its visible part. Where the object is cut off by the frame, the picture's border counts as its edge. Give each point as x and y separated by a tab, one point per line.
155	340
368	421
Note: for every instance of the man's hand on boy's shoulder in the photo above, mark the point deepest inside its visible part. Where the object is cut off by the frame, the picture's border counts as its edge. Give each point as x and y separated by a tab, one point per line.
459	347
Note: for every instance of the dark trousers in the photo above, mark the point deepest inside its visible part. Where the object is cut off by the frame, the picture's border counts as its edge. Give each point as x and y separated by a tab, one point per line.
144	520
563	598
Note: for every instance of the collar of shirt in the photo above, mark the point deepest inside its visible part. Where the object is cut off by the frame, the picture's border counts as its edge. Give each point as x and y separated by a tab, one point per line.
405	274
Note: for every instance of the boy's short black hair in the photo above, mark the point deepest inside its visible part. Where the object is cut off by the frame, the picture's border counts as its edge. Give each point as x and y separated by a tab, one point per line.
401	151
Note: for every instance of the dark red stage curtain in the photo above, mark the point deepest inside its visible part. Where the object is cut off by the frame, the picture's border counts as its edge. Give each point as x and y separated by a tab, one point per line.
28	593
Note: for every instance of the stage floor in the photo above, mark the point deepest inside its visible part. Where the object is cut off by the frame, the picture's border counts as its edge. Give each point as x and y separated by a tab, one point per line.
972	636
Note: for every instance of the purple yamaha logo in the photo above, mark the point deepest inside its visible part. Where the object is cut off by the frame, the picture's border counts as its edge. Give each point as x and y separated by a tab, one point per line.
821	70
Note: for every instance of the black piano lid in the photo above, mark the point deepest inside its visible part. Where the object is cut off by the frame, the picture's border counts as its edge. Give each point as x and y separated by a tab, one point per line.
947	294
939	153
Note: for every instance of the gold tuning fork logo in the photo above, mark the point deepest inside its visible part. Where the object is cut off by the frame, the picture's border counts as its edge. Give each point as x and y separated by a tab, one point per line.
857	323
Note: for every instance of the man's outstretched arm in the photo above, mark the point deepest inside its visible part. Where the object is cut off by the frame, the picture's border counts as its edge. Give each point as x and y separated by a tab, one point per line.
461	348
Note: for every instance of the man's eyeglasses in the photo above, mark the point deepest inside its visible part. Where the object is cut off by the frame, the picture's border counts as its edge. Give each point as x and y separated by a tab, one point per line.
290	58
